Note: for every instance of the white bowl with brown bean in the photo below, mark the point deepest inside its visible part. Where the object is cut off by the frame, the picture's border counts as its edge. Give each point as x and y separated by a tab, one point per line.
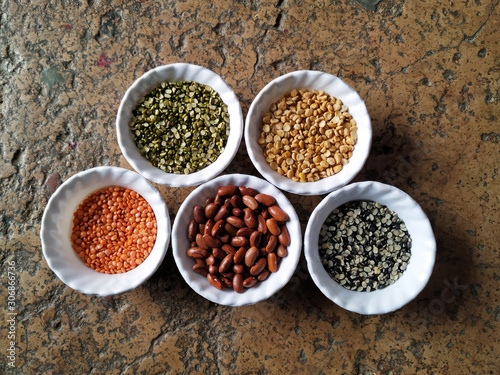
236	240
355	259
308	132
58	224
182	135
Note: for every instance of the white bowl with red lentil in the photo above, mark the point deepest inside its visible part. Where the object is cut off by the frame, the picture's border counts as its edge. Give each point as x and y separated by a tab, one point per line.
179	125
105	231
369	247
229	269
308	132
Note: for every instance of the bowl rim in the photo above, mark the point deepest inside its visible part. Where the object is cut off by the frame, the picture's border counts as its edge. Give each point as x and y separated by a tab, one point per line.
422	259
227	297
56	227
332	85
176	72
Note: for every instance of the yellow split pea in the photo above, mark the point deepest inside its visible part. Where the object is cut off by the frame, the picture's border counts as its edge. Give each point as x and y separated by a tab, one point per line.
308	135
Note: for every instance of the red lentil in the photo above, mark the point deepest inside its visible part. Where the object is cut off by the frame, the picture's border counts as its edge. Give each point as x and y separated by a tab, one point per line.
114	230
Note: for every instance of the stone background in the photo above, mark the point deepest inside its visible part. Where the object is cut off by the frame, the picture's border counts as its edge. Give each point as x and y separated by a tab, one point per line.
429	72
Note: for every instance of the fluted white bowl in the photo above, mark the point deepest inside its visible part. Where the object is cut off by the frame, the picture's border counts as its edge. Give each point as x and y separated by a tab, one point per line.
174	73
200	284
420	266
57	224
311	80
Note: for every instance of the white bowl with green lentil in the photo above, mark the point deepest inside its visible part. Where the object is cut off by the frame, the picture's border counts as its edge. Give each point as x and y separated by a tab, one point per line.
369	247
117	226
308	132
179	125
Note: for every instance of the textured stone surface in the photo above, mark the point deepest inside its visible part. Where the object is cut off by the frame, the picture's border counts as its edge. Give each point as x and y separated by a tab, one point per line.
429	74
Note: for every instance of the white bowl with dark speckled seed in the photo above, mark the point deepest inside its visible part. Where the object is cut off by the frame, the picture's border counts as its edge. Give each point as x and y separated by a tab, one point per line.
420	266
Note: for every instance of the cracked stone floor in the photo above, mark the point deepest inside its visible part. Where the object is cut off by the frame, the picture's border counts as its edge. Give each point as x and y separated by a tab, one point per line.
429	73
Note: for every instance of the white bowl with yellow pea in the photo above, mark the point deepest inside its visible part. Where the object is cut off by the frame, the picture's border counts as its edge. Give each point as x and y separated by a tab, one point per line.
308	132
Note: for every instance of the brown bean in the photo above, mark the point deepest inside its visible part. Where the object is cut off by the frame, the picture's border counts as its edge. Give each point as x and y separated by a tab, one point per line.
211	210
211	259
213	268
239	241
211	241
215	281
244	190
230	229
235	221
263	275
245	232
265	199
209	200
265	213
200	242
271	243
228	190
226	263
236	201
228	282
256	238
192	230
249	282
197	252
238	283
273	227
250	218
272	262
281	251
229	274
238	268
251	256
284	236
258	267
224	237
237	212
219	200
217	228
250	202
228	248
222	212
218	253
278	213
208	226
202	269
199	214
239	257
261	225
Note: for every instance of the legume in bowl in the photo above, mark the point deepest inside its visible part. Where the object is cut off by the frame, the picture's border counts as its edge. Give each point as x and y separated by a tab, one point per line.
236	240
179	125
308	132
369	247
105	231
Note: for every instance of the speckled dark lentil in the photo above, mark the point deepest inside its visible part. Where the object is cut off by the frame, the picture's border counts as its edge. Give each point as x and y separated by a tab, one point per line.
364	246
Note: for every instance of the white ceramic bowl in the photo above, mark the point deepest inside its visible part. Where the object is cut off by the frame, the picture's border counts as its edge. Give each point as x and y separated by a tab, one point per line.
423	249
174	73
311	80
56	229
200	284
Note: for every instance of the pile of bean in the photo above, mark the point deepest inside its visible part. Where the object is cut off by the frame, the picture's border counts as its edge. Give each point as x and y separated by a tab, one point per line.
238	237
308	135
364	246
114	230
181	127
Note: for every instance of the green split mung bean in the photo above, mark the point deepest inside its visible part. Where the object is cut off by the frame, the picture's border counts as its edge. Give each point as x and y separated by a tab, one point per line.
181	127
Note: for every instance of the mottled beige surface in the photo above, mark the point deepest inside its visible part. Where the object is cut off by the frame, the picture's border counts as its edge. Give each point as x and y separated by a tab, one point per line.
429	73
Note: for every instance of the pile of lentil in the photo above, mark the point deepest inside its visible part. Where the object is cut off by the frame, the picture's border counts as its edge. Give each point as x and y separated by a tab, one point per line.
308	135
114	230
181	127
364	246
